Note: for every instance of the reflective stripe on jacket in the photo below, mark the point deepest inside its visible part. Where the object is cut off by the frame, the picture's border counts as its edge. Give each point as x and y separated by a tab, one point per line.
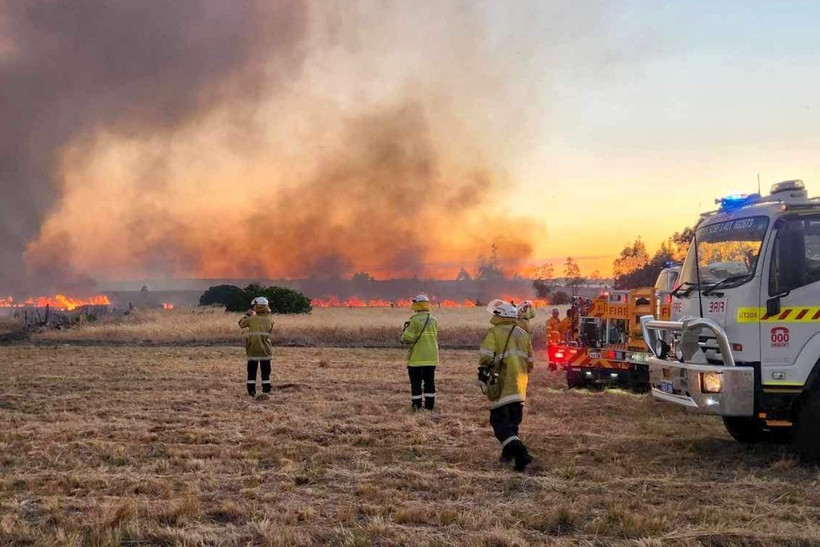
258	344
517	360
425	352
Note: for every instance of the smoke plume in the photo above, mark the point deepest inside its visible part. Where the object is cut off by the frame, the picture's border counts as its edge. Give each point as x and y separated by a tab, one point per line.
71	68
226	138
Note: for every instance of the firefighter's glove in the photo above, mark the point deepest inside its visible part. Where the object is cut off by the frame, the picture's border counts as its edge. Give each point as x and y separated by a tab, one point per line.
483	374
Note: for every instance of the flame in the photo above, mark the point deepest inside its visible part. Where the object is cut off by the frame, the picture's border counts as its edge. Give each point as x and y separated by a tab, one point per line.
356	302
58	302
167	306
352	302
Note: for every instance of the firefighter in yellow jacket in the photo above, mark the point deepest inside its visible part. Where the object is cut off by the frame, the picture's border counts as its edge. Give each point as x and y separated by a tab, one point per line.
505	361
421	334
258	344
526	311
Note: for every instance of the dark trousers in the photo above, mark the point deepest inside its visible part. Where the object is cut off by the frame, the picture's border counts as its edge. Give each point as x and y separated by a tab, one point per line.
265	366
505	421
419	375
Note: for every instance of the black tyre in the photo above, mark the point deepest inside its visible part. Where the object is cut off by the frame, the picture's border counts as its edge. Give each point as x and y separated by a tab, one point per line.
746	430
574	380
806	435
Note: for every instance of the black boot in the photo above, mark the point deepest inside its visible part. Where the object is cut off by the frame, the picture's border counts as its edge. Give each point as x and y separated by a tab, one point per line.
522	457
506	455
416	405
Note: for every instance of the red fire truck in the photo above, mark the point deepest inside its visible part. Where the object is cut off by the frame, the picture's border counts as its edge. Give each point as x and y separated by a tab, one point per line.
605	344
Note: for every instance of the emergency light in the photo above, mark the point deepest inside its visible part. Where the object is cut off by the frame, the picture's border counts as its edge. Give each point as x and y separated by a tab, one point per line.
736	201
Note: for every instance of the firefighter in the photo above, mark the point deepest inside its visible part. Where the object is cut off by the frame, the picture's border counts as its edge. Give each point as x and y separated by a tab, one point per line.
258	345
421	334
567	326
525	313
553	327
505	361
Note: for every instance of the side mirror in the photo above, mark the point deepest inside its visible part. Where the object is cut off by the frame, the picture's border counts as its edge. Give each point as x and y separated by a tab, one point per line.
773	306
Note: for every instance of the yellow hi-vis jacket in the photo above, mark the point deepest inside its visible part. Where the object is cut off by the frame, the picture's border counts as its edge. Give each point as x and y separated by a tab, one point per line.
425	352
517	360
524	320
258	344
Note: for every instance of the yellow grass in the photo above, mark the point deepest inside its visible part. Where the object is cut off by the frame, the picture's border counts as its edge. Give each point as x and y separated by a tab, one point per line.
159	446
9	324
341	327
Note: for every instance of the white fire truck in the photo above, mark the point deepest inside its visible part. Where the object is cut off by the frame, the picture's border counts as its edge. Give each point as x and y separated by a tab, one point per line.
743	341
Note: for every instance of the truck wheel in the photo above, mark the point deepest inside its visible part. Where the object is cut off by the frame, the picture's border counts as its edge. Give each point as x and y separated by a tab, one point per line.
745	430
574	380
806	437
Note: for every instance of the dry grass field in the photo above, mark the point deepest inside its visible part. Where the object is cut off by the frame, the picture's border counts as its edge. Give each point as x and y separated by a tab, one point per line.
340	327
9	324
126	445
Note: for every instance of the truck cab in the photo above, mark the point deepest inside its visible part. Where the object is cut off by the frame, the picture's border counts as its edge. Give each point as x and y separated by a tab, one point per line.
743	341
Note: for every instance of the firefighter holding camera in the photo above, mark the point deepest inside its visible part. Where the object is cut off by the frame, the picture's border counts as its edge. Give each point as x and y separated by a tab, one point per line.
421	334
505	361
258	344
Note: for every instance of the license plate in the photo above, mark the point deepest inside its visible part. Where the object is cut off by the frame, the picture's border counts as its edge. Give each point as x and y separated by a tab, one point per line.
594	355
667	387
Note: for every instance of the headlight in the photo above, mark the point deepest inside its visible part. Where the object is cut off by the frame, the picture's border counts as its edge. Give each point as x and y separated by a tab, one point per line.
679	352
711	382
661	349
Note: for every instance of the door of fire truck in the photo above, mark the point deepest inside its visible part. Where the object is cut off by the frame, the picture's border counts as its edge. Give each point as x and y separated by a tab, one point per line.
789	297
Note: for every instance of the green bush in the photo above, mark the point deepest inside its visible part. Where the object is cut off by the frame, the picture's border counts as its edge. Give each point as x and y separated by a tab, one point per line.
235	299
281	300
230	296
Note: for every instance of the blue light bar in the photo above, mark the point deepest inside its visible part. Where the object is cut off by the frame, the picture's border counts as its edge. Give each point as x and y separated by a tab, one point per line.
736	201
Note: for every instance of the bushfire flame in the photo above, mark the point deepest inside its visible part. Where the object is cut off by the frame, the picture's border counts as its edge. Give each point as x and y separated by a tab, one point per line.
356	302
58	302
167	306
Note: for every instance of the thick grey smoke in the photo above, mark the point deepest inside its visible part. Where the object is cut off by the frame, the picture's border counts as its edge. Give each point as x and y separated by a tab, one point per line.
71	67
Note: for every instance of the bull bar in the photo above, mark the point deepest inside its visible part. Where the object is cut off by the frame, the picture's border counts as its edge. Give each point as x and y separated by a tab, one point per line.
681	381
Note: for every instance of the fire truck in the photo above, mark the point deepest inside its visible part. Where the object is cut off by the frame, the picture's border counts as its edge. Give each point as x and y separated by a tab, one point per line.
743	341
605	346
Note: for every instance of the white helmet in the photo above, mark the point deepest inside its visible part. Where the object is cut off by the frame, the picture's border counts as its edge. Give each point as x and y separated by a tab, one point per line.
502	309
526	305
421	298
259	301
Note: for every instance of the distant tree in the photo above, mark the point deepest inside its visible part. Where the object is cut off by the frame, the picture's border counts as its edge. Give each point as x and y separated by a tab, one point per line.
632	257
671	251
574	280
488	268
595	277
561	298
544	281
362	277
463	275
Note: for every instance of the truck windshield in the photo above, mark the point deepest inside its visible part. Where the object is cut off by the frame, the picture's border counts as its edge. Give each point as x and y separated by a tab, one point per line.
727	249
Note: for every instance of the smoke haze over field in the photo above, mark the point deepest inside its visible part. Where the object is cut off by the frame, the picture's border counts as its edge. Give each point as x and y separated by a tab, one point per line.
225	138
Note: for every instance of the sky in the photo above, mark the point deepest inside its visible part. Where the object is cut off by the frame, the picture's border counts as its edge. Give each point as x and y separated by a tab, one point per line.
699	98
288	138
